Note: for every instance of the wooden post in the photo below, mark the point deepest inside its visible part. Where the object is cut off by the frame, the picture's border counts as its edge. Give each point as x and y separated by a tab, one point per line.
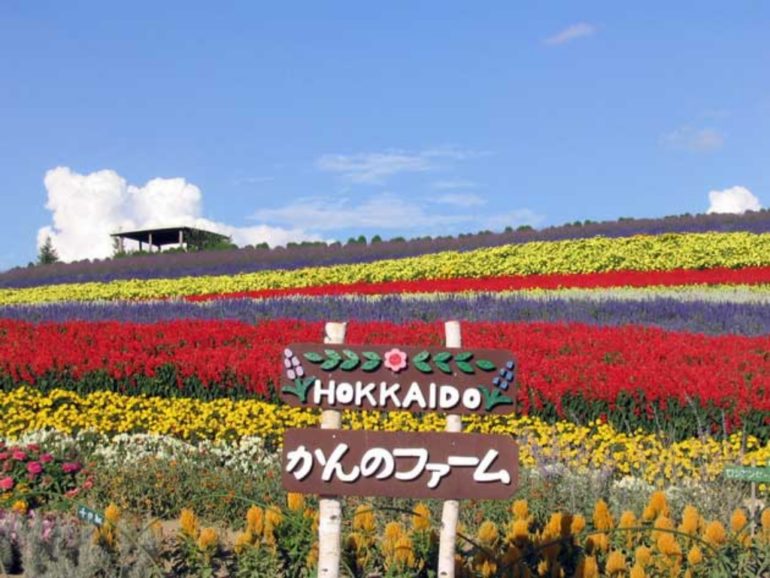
329	508
451	509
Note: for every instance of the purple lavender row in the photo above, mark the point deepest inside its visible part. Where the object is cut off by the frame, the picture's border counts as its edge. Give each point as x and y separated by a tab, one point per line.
666	313
249	260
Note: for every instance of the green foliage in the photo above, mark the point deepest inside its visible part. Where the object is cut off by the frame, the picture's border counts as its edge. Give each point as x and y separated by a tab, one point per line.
47	254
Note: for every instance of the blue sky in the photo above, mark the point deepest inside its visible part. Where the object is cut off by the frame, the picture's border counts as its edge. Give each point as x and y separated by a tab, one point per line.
288	120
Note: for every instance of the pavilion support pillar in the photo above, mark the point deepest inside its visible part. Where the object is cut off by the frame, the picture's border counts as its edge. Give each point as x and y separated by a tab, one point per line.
181	239
149	242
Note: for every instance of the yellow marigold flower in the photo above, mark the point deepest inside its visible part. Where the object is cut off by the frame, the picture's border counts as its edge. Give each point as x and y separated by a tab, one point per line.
295	501
393	531
520	509
637	571
602	517
738	520
661	523
487	533
487	568
312	557
649	514
598	542
715	533
668	546
188	523
421	518
255	520
112	514
659	504
627	520
403	555
519	530
690	520
542	568
20	507
588	568
642	556
363	519
243	541
553	528
208	539
694	556
616	563
578	524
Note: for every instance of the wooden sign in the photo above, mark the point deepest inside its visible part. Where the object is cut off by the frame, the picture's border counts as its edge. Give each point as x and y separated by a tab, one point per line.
388	378
399	464
747	474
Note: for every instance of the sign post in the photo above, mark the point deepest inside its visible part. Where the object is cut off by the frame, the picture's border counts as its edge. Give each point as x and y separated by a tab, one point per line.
450	511
329	508
753	475
449	465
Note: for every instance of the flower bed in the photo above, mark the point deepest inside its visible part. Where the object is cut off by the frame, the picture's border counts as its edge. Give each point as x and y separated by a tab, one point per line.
579	448
739	310
640	253
631	376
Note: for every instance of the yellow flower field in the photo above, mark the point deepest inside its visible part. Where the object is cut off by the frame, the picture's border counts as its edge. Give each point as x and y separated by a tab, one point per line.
581	448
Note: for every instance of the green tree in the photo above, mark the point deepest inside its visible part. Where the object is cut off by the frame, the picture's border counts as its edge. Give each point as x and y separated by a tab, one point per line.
47	254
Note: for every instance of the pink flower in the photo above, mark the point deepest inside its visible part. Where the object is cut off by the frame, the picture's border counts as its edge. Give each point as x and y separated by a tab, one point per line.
46	458
72	493
6	484
395	360
33	447
19	455
34	468
70	467
4	456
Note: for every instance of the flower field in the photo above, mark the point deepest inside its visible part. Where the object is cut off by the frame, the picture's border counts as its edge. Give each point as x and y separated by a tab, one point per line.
642	359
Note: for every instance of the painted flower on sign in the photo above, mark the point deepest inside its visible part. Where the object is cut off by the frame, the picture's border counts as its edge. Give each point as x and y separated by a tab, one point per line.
395	360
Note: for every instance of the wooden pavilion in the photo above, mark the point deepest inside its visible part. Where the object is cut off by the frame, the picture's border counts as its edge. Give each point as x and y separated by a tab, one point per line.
188	238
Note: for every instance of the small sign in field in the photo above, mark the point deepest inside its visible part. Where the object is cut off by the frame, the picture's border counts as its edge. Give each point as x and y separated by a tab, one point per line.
91	516
388	378
400	464
747	474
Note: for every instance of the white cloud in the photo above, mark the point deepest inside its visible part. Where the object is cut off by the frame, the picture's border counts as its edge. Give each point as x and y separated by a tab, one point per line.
391	213
570	33
375	168
733	200
694	139
385	212
86	209
460	200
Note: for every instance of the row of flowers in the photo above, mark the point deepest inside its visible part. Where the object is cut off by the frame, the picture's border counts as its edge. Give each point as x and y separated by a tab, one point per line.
739	310
168	265
554	446
281	540
636	377
640	253
679	278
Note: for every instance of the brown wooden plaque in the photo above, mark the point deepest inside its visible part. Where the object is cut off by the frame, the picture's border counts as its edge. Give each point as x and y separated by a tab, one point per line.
389	378
400	464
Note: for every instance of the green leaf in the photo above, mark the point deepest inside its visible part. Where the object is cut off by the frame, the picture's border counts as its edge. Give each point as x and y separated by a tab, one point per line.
422	356
422	366
465	367
351	362
313	357
371	365
331	363
443	366
371	356
331	354
494	399
444	356
485	364
464	356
